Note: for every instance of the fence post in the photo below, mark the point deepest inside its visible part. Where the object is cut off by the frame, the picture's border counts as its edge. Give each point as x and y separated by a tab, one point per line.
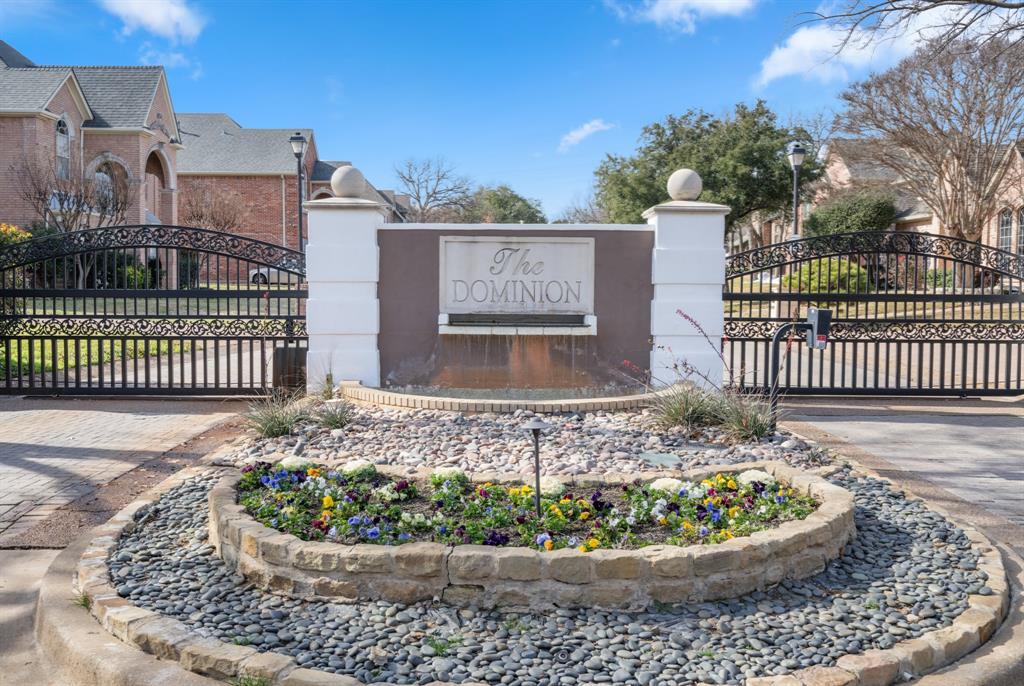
342	270
688	271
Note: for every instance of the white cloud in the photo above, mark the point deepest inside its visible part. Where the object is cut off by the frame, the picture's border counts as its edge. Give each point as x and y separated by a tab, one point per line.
679	15
170	59
174	20
811	52
580	133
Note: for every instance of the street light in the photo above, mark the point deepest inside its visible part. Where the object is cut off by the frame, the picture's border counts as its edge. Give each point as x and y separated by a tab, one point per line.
536	425
298	142
796	155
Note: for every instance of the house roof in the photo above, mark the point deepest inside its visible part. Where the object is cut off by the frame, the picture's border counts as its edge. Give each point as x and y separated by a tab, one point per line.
117	96
860	160
217	144
29	88
323	169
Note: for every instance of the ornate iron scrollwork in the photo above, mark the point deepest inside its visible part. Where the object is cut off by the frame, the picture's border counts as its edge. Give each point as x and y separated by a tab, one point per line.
875	243
1009	331
260	253
166	327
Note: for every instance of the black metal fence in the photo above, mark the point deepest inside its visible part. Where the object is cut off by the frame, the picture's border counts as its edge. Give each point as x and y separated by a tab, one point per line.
913	314
153	310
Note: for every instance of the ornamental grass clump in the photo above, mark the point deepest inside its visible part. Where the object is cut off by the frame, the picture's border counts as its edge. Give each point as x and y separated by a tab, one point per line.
688	406
358	504
333	415
276	415
746	417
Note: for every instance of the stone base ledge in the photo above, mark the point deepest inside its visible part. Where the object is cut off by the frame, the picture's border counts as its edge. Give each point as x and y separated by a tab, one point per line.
83	656
525	578
354	390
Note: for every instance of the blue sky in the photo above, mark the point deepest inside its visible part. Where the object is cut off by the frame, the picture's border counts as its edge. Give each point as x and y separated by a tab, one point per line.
533	94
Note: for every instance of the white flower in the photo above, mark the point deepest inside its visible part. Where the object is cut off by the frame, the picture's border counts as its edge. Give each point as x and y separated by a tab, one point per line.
751	475
696	492
354	466
447	472
387	492
551	487
666	485
293	462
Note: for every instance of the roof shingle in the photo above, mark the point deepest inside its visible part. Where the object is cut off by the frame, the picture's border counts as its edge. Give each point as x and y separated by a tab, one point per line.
215	143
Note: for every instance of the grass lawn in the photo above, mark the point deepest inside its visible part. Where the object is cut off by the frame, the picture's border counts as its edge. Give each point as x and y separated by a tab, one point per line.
48	355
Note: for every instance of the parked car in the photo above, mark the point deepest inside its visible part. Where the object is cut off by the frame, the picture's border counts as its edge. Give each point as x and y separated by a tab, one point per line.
268	275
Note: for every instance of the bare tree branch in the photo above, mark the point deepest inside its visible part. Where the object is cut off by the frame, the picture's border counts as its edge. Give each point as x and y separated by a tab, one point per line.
201	207
434	187
866	22
583	211
943	122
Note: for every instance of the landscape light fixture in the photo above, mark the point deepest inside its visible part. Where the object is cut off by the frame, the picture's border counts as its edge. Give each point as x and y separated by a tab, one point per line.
796	154
298	142
535	426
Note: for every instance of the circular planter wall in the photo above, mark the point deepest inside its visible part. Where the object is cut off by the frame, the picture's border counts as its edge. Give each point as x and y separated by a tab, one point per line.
515	577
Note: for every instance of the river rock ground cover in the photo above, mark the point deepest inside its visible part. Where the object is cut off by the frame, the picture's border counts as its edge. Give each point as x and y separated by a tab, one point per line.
908	571
577	443
358	504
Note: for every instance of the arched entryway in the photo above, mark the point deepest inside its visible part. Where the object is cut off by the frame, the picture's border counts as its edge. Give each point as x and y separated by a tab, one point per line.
157	196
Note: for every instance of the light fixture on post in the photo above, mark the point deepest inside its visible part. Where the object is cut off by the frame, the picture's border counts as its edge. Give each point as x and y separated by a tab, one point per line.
298	142
796	154
535	426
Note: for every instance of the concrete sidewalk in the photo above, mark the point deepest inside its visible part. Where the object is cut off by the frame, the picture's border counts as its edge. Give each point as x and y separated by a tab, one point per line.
967	455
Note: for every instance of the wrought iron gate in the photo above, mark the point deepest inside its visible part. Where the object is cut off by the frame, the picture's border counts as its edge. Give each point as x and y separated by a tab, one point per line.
913	314
150	310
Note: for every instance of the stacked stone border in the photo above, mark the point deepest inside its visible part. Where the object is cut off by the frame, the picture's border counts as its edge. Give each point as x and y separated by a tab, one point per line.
353	390
525	578
88	659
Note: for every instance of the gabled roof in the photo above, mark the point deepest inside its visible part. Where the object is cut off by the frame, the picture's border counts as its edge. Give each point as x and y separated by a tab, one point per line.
858	156
29	89
217	144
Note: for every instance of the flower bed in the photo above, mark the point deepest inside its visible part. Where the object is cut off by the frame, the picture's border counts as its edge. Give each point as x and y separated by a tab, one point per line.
358	504
630	571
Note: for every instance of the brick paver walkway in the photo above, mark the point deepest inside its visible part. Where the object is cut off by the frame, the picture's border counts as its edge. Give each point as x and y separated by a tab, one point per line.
52	451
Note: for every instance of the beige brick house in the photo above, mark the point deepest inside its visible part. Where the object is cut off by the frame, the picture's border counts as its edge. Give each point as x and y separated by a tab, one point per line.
88	120
848	163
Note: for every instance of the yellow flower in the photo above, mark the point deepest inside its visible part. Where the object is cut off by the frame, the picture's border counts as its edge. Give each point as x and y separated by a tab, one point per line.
705	482
513	491
582	548
733	510
594	543
584	515
328	502
548	545
313	472
687	526
731	484
565	501
662	521
728	534
720	479
581	502
325	515
526	490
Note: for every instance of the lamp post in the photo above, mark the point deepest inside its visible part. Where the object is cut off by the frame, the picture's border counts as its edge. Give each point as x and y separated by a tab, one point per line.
796	155
298	142
536	425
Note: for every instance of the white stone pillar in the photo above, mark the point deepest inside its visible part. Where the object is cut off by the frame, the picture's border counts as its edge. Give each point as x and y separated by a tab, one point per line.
688	271
342	270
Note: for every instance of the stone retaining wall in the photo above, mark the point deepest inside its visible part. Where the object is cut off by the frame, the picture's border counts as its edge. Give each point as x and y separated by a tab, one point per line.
88	660
356	391
488	576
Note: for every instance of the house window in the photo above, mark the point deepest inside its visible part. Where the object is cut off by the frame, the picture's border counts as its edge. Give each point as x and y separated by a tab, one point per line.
1005	230
1020	231
63	150
110	183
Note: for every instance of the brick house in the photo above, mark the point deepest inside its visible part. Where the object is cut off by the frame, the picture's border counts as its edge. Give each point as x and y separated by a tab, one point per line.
256	169
848	163
87	121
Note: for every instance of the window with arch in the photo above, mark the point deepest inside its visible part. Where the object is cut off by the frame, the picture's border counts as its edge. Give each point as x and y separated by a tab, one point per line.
1005	230
63	150
111	182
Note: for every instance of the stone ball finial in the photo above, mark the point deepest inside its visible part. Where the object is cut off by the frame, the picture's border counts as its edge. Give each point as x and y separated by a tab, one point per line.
684	184
348	182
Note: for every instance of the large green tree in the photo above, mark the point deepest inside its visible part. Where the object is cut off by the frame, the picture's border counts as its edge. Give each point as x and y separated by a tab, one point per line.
859	209
740	157
502	205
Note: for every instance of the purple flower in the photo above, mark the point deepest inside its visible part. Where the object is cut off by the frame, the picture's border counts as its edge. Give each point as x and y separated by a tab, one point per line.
495	538
354	521
542	538
703	531
780	499
758	487
373	533
716	515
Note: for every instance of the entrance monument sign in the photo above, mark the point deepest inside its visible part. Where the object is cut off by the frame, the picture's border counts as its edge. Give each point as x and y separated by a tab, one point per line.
516	275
